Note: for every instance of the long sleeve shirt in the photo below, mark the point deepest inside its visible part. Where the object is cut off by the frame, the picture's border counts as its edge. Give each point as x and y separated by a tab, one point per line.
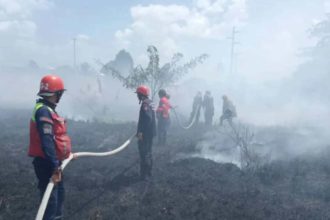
228	106
147	122
208	104
163	110
45	129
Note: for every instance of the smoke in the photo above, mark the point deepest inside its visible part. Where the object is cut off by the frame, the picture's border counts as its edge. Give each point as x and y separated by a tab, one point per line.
88	96
289	110
269	144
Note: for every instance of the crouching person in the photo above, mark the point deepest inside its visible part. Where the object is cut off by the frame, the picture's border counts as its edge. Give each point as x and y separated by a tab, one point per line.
146	131
228	111
49	143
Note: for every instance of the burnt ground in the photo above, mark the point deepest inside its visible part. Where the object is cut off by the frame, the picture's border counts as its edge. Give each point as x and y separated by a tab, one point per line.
190	188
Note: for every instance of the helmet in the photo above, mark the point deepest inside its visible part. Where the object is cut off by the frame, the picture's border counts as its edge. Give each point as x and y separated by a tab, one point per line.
162	92
143	90
50	84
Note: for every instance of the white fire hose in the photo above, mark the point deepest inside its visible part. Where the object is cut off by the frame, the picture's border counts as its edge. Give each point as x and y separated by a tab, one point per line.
191	123
50	186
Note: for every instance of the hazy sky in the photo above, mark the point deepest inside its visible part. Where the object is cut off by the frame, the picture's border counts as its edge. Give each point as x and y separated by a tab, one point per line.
271	32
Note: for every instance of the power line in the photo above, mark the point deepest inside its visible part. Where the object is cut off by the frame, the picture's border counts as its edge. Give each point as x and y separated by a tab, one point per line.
232	49
74	53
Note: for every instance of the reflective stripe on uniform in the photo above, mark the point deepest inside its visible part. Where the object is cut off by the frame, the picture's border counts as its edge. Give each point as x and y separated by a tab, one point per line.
38	106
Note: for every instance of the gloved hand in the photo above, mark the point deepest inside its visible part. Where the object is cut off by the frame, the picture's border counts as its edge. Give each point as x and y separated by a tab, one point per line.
74	156
57	176
139	136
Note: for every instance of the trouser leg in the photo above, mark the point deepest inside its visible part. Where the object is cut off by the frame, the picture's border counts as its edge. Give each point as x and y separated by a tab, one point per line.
51	209
159	133
197	116
60	199
142	159
221	120
230	121
145	151
163	125
149	157
211	121
166	125
165	137
43	172
162	137
208	120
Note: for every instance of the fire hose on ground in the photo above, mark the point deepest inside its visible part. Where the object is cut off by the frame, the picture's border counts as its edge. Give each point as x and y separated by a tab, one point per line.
192	121
50	186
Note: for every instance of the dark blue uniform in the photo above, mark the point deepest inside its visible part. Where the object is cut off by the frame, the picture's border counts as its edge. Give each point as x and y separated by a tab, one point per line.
208	109
197	104
45	167
146	126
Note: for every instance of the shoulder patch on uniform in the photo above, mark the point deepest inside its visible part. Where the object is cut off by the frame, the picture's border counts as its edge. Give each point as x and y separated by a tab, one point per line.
47	129
145	107
45	119
152	105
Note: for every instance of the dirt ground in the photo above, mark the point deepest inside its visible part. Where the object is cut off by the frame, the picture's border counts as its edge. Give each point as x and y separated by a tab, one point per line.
186	188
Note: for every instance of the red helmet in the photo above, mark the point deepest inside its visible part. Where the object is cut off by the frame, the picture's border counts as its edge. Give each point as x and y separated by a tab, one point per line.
143	90
50	84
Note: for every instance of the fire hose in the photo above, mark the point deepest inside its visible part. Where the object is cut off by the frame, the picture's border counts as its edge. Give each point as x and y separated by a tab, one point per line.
50	186
192	121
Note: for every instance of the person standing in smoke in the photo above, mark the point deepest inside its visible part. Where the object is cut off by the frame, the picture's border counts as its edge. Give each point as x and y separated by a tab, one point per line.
146	131
163	116
228	111
196	108
208	106
49	143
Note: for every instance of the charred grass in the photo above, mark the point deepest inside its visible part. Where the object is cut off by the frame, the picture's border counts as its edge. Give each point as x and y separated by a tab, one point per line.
190	188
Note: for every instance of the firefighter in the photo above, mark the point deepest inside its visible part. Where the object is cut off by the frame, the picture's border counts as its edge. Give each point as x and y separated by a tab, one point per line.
208	106
196	108
163	116
146	131
49	143
228	111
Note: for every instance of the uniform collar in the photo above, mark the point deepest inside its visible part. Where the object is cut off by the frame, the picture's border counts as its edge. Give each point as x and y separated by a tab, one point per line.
45	102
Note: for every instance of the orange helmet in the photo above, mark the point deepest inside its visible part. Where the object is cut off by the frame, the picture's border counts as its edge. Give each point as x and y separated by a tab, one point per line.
143	90
50	84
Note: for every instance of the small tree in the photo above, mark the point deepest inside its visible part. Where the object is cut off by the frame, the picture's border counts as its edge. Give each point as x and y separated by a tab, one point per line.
153	75
243	138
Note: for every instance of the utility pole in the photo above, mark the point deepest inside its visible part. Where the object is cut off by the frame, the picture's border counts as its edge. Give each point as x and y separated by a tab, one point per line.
232	51
74	53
